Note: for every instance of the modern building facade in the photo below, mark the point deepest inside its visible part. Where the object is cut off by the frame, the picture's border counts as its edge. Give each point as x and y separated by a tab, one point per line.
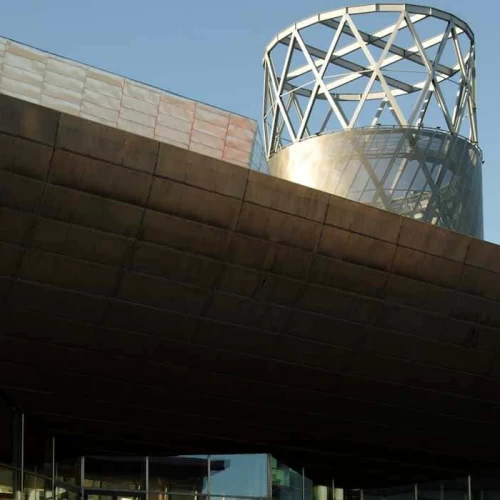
102	97
244	476
176	323
377	103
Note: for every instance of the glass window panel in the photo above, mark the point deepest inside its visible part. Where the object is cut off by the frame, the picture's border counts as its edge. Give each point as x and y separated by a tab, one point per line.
486	487
37	447
359	183
399	493
125	473
455	489
67	470
239	475
6	482
348	494
62	493
36	487
6	431
107	496
308	489
286	482
185	475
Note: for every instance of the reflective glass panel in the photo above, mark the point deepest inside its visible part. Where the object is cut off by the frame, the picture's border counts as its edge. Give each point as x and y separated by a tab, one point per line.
37	458
398	493
308	489
36	487
239	475
6	482
6	431
125	473
68	470
96	496
66	494
439	184
455	489
185	475
486	487
287	483
348	494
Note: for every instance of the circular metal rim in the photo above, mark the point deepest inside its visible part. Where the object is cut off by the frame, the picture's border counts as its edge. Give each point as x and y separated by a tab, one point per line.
367	9
371	9
388	128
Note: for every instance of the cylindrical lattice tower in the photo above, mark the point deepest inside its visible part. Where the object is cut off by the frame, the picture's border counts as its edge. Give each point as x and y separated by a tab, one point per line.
377	103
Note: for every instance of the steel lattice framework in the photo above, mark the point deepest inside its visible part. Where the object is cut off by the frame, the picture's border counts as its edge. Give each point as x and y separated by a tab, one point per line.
327	73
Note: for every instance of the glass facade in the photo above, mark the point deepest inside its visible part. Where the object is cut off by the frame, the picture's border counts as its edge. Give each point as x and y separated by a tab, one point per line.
403	493
6	482
425	174
239	475
224	477
187	476
28	474
287	483
455	489
258	160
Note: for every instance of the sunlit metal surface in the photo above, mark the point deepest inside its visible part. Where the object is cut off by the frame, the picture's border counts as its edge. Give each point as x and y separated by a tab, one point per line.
425	174
377	103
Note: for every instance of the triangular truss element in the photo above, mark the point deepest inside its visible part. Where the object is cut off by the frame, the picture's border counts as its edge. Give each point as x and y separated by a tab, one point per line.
370	67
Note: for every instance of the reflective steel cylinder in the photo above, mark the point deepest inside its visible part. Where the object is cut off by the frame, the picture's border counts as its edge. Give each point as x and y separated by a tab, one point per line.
377	103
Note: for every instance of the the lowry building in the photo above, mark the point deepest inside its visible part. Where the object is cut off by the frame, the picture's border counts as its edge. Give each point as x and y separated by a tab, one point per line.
190	311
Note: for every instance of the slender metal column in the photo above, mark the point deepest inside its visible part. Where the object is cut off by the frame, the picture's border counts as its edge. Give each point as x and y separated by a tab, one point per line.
18	454
269	477
81	479
49	466
208	476
53	467
146	474
303	484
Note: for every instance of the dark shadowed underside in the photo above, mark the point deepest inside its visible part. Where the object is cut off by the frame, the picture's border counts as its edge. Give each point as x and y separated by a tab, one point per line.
154	300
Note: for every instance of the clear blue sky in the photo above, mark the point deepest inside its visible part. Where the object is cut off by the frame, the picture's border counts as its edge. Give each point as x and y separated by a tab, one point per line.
212	50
